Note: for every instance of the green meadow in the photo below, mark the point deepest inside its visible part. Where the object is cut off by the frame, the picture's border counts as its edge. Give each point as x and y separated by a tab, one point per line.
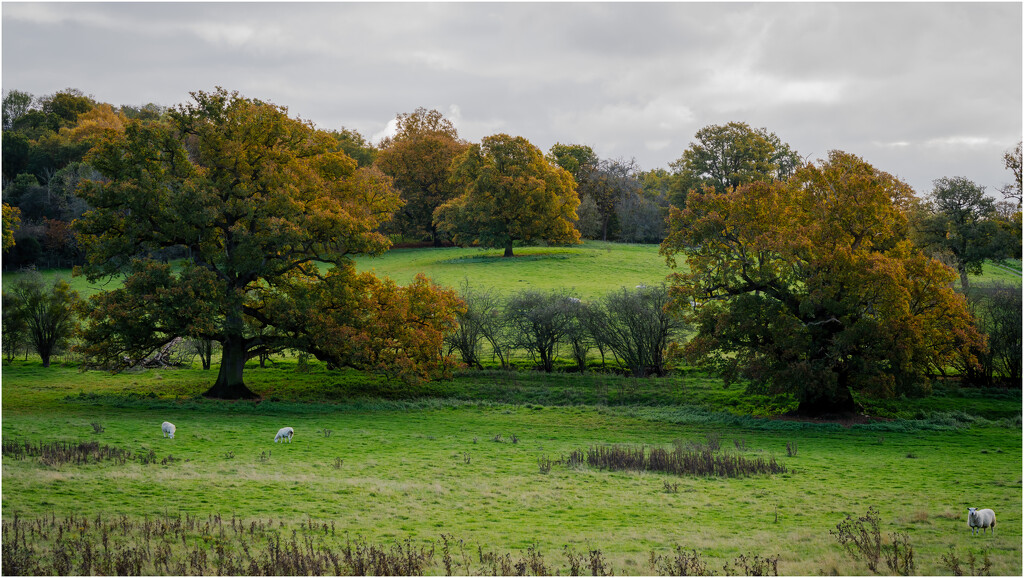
458	465
590	270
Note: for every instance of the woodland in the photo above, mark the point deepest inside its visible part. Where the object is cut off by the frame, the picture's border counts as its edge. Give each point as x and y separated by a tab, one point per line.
226	221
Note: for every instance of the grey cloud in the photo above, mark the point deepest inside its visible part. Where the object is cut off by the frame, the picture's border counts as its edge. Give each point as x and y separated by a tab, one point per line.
923	90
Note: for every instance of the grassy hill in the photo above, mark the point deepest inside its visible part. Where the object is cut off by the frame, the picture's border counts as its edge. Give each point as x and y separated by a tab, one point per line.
591	269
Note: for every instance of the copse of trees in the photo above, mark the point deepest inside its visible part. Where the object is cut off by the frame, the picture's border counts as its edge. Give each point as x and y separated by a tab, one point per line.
632	326
45	140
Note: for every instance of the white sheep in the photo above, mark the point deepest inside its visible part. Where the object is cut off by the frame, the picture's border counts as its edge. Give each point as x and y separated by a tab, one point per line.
983	519
168	429
284	433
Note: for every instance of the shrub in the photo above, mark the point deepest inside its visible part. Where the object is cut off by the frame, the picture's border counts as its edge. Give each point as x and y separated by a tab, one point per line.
952	563
680	461
539	321
681	563
637	328
753	566
862	538
899	555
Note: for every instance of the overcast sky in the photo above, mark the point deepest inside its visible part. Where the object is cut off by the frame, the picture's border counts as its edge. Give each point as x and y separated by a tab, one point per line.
921	90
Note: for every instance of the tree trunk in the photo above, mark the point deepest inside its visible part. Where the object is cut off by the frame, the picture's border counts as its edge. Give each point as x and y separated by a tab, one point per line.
229	384
965	284
508	249
817	403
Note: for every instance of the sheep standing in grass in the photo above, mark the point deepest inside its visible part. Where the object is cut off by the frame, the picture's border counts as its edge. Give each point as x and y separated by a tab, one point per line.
284	433
983	519
168	429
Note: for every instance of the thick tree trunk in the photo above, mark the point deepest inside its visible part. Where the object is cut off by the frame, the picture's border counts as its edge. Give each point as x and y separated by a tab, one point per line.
229	384
508	249
829	402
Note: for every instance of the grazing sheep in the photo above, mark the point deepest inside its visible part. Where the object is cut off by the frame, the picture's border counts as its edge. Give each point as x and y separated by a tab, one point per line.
983	519
168	429
284	433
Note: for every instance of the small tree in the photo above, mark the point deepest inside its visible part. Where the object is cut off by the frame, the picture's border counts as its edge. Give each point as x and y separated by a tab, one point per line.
473	325
539	321
997	313
15	329
959	220
579	333
48	313
637	326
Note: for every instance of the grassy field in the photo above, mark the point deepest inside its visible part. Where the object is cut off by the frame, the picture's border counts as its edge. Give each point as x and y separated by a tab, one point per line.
591	269
458	466
418	467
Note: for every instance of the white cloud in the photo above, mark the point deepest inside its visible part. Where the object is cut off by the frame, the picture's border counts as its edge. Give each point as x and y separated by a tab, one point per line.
958	142
389	130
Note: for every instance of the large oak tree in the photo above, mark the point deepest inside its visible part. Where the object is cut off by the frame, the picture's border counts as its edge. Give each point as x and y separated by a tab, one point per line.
512	193
256	200
811	287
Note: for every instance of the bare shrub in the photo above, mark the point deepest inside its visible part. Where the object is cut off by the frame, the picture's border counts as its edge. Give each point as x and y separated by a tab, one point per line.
680	563
861	537
539	321
752	566
635	325
899	554
680	461
952	562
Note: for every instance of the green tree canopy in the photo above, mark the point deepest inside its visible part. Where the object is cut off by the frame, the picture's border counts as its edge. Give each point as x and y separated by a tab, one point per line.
47	312
255	199
574	158
959	222
727	156
512	193
811	287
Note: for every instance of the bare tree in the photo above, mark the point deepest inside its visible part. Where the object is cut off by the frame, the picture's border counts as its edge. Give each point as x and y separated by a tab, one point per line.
636	326
539	322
